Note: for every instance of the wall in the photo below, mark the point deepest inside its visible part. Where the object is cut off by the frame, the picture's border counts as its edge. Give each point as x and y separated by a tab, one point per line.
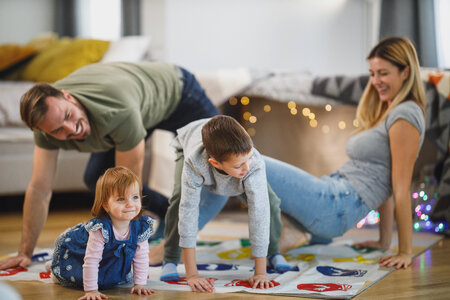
21	20
320	36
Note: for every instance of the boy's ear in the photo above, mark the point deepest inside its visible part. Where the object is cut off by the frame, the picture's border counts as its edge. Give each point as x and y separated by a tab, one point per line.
215	163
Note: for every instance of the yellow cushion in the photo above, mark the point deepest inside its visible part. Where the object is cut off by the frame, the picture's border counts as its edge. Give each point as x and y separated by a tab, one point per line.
11	54
64	57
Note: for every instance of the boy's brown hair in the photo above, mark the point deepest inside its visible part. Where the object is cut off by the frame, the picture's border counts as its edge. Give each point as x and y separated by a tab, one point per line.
115	181
223	136
32	104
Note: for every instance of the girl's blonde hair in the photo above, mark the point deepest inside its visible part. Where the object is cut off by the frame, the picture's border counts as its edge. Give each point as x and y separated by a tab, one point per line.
114	182
400	52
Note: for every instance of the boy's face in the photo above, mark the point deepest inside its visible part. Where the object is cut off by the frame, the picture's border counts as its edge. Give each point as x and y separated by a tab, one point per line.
237	165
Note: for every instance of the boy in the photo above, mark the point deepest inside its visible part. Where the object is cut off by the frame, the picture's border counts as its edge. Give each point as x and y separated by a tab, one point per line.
218	154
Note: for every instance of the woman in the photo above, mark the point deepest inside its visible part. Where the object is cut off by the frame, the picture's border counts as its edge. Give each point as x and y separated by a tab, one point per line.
382	154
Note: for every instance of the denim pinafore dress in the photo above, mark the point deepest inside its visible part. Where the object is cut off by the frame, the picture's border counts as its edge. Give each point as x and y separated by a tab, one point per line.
115	266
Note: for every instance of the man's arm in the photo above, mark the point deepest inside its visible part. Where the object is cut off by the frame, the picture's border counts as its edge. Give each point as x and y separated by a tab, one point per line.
132	159
35	207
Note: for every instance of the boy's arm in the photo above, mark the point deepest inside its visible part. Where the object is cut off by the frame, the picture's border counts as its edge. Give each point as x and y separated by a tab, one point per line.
194	280
260	276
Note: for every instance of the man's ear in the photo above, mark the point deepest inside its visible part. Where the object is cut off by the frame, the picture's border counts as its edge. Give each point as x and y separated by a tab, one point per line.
215	163
67	95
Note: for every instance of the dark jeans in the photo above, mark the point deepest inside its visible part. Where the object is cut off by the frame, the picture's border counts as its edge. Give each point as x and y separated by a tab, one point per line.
194	105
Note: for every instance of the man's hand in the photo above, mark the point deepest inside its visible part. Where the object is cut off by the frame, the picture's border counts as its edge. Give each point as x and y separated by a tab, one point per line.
21	260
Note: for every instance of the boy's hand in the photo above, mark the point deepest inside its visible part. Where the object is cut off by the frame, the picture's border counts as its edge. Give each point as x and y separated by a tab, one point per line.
261	281
398	261
93	295
141	290
201	284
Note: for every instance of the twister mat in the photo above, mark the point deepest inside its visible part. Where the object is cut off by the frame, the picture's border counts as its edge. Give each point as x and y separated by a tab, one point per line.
322	271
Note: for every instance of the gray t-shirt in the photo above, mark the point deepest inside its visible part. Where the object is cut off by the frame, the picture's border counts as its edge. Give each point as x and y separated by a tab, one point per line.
198	173
369	169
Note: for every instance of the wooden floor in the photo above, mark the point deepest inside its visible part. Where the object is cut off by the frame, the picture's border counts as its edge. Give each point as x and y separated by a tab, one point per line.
427	278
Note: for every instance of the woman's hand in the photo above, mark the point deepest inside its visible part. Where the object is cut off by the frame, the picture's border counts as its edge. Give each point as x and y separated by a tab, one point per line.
372	244
261	281
141	290
201	284
93	295
398	261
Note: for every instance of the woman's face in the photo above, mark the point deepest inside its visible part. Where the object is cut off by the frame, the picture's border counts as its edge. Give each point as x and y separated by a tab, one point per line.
386	78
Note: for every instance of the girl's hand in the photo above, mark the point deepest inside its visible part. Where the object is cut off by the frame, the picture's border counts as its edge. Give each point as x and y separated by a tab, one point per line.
372	244
141	290
93	295
398	261
261	281
201	284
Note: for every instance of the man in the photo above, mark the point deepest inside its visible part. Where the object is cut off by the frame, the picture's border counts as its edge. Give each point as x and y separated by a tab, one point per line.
107	109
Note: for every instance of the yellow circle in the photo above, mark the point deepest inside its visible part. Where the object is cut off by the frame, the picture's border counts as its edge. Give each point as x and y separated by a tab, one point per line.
252	119
245	100
246	115
251	131
233	100
328	107
313	123
312	116
291	104
267	108
306	111
293	111
341	125
355	123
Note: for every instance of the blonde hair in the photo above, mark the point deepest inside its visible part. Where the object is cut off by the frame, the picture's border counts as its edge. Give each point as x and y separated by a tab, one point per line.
400	52
115	181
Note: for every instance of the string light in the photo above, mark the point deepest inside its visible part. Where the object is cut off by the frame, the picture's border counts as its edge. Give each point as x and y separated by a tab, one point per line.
313	123
293	111
355	123
251	131
306	111
267	108
291	104
245	100
312	116
341	125
252	119
233	100
328	107
246	115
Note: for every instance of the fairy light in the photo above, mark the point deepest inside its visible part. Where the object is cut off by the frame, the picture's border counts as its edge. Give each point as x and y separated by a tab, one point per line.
313	123
328	107
312	116
251	131
325	129
341	125
245	100
267	108
291	104
355	123
233	100
252	119
293	111
246	116
306	111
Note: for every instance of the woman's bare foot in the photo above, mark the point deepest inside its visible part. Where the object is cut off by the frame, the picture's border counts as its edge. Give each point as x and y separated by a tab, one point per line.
156	254
291	236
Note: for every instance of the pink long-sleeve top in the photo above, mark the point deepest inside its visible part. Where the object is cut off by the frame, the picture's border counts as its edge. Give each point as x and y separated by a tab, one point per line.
93	256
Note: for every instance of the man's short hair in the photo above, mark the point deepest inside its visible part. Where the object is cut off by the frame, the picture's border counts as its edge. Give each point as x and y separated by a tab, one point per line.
223	136
32	104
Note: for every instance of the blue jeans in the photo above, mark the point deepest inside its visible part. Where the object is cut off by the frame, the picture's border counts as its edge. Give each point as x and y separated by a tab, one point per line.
194	105
326	207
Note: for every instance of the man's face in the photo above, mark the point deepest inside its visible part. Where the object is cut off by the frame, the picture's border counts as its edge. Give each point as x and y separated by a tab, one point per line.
65	119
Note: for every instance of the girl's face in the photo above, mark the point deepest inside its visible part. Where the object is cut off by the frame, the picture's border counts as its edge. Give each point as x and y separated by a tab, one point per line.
124	208
386	78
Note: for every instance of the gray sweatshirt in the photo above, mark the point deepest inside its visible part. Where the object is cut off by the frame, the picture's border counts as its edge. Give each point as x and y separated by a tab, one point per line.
198	173
369	169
